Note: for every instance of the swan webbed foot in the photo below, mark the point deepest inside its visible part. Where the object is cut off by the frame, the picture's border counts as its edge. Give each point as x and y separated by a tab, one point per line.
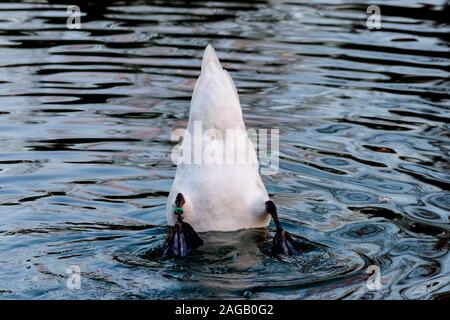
182	238
282	244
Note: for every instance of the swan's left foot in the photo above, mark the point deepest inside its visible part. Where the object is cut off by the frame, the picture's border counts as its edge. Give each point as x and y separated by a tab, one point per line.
283	244
182	238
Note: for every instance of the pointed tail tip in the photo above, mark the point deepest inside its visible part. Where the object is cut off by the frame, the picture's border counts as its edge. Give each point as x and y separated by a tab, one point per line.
210	57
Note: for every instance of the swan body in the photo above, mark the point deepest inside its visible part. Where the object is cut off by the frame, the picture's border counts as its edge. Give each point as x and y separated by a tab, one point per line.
218	195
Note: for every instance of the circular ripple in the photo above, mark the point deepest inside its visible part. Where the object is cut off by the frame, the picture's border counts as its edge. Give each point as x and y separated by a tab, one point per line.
324	208
355	197
375	231
364	231
422	213
440	200
385	185
334	161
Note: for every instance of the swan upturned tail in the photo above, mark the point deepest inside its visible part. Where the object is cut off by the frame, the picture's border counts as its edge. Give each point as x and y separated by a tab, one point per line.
213	195
219	196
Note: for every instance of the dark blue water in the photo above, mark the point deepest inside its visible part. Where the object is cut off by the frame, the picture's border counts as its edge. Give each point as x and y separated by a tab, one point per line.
86	118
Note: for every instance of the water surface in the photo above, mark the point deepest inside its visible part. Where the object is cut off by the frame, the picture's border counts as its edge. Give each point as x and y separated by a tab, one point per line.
86	118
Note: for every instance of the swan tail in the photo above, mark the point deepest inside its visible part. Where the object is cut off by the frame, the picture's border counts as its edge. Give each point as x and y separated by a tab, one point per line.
215	99
182	238
211	65
282	244
210	60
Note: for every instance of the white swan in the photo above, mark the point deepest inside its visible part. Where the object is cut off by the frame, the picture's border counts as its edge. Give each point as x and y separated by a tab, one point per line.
220	195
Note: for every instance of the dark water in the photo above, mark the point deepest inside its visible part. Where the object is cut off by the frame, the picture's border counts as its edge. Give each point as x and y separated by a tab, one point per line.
85	123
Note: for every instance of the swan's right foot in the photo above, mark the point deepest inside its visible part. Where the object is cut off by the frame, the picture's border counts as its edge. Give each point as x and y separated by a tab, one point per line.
283	244
182	238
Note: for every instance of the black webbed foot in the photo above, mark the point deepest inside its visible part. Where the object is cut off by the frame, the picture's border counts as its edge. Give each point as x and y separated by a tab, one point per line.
283	244
182	238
